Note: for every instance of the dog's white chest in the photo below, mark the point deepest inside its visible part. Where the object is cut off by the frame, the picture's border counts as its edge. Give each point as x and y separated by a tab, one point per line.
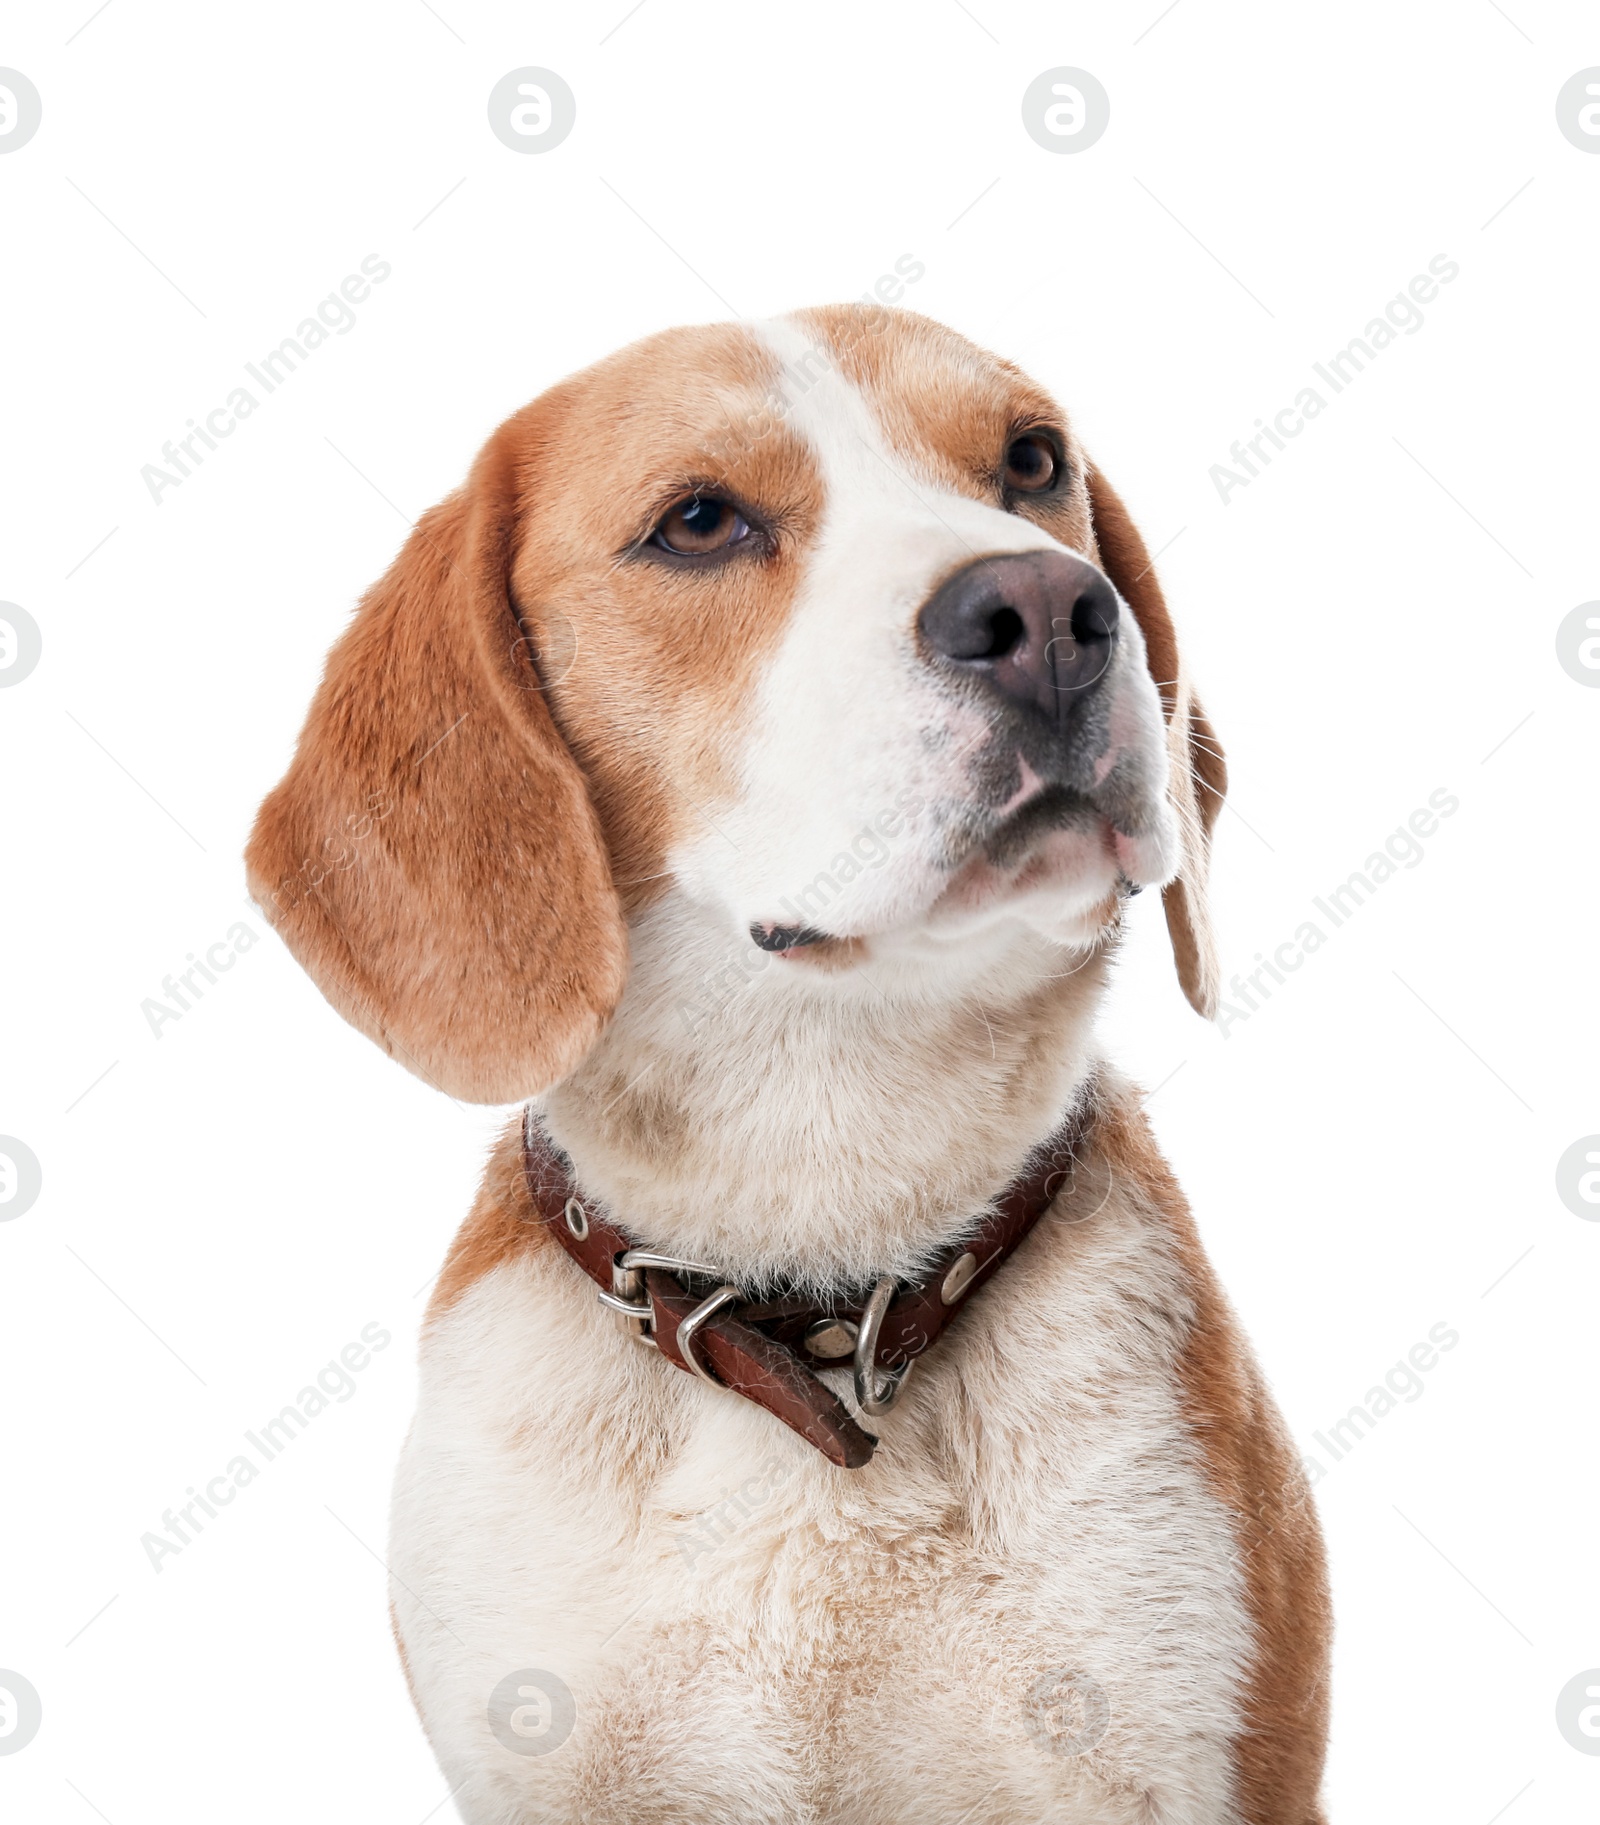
1009	1615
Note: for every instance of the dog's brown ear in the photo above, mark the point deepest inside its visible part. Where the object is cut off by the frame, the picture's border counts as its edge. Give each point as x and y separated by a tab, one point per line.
432	856
1199	770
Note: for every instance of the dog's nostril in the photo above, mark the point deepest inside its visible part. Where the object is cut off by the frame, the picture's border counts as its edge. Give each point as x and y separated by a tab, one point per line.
1007	631
1094	616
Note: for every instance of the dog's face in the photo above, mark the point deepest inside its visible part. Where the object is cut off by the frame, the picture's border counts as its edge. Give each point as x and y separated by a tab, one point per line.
827	625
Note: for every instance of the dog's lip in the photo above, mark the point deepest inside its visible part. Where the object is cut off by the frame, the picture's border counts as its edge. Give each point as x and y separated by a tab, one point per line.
1045	809
1053	840
1029	786
1027	820
781	940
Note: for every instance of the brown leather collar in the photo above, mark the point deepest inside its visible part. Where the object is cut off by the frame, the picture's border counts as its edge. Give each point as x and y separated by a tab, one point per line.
760	1349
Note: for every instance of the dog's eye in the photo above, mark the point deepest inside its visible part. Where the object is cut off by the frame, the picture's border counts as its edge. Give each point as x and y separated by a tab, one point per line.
701	524
1031	464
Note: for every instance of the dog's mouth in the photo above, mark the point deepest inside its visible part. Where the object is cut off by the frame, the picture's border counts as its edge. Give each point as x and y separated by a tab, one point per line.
1057	834
1057	840
1048	810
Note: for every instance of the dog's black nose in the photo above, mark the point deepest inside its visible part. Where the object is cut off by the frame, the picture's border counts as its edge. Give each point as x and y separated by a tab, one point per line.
1037	626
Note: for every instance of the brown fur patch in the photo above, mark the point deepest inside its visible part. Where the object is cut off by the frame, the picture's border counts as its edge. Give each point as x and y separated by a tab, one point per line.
657	660
1126	560
1200	770
501	1225
1255	1472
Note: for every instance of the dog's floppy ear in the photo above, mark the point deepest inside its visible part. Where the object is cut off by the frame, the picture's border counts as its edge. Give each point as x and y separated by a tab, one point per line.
1199	771
432	856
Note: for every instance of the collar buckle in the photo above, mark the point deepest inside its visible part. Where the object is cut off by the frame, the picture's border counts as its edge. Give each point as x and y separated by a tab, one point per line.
629	1297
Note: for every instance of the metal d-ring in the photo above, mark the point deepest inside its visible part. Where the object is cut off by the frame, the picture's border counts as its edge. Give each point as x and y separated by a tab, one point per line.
872	1398
707	1308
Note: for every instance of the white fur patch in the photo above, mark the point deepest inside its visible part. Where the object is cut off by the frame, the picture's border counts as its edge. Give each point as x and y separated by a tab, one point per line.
752	1635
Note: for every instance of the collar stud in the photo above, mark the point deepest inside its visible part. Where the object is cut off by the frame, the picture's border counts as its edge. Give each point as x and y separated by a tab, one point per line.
831	1338
959	1277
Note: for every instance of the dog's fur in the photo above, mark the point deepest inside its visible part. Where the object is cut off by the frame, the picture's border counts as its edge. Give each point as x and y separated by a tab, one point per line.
551	780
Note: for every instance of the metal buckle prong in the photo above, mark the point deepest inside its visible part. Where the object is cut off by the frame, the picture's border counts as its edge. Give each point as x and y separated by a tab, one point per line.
674	1264
629	1308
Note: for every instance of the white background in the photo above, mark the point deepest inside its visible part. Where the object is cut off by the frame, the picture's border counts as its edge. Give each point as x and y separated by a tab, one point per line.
1370	1154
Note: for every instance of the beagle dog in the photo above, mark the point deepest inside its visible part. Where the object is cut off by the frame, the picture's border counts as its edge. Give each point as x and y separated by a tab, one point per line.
827	1410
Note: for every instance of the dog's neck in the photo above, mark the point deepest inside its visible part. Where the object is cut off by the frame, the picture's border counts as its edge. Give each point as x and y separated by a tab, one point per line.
797	1125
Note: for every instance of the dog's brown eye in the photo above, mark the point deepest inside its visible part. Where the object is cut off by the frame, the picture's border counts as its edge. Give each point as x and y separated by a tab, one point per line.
1031	464
705	523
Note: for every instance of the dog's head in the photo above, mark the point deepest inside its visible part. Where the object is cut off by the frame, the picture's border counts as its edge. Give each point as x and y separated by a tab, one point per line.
828	626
